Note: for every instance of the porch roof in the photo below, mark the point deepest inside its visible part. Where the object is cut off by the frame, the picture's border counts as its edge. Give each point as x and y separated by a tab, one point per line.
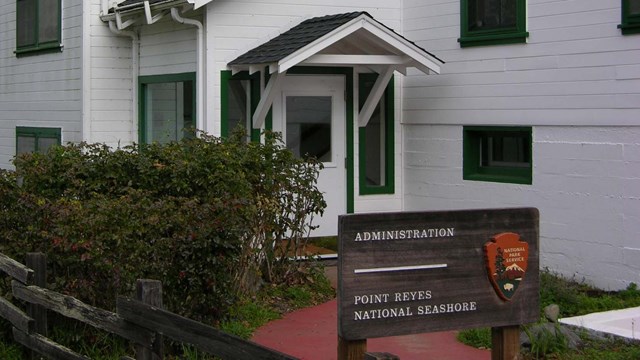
351	39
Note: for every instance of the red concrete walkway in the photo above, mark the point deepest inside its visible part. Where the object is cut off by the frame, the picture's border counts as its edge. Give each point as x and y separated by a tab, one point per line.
311	334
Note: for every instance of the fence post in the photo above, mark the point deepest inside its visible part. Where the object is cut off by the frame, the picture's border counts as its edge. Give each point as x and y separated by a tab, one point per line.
505	342
351	349
38	263
150	292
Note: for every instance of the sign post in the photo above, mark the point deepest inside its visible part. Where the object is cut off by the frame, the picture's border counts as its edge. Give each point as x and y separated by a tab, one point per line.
416	272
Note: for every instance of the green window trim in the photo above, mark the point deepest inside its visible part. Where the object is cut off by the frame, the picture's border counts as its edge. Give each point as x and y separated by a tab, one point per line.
630	19
143	81
37	42
496	36
473	169
389	155
254	84
37	133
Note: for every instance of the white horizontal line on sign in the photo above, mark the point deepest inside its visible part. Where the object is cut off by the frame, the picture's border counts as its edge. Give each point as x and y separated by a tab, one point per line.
400	268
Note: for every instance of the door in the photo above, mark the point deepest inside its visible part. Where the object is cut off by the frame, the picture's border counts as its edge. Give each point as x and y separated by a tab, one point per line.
311	116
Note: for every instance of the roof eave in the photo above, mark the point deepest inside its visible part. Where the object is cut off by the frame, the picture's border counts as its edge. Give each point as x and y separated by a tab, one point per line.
420	58
138	10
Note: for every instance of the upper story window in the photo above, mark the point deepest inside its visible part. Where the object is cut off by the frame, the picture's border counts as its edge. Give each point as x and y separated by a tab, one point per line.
630	17
38	26
492	22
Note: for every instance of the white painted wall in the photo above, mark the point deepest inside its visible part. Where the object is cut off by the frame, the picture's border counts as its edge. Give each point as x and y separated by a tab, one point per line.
577	82
42	90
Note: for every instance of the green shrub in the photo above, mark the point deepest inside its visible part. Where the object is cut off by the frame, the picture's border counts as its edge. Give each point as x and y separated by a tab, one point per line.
202	215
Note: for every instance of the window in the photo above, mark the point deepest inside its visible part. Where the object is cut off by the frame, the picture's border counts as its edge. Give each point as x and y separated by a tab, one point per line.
630	17
376	141
34	139
498	154
492	22
167	107
38	26
239	98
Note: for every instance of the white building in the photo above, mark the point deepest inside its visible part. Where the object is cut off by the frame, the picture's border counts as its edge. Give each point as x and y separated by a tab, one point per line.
537	102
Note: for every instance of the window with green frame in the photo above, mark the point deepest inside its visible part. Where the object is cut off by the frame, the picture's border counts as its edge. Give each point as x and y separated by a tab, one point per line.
38	26
36	139
497	154
167	107
239	97
630	17
376	140
492	22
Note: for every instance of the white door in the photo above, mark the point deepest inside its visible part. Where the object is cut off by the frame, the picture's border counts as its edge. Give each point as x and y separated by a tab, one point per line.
311	116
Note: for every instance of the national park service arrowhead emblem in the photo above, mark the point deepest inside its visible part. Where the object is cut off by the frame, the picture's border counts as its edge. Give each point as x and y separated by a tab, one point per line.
506	260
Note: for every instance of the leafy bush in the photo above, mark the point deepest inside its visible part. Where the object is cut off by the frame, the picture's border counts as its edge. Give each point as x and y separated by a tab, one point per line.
203	215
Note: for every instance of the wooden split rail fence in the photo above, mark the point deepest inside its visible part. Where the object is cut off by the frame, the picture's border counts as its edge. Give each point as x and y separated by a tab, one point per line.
141	321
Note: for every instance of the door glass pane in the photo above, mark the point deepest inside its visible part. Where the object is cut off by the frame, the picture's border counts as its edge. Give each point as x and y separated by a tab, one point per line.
168	110
308	129
238	108
26	22
49	20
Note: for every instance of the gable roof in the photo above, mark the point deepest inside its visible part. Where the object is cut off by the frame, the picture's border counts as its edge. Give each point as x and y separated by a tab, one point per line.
313	36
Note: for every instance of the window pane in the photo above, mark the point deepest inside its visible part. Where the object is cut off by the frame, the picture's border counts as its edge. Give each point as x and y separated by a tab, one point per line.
45	143
505	151
26	144
309	126
491	14
238	108
168	110
26	22
49	20
634	7
375	149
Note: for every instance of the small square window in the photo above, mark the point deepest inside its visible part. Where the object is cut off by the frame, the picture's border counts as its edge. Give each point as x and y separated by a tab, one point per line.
630	17
497	154
492	22
38	26
34	139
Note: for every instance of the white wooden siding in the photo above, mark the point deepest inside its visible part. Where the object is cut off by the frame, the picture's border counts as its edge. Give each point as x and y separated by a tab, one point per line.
40	90
167	48
577	82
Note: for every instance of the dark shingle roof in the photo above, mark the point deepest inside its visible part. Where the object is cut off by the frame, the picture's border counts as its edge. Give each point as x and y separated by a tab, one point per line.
294	39
300	36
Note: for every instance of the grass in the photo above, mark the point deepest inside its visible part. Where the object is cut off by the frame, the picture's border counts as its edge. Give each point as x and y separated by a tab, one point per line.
574	298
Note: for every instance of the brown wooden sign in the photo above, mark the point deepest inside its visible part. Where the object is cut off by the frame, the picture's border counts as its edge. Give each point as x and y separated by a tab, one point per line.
414	272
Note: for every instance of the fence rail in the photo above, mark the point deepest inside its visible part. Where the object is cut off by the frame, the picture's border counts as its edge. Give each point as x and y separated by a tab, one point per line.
141	320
